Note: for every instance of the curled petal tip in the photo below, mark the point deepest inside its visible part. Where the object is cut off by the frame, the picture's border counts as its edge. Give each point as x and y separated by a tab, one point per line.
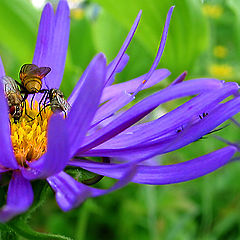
101	56
48	5
171	10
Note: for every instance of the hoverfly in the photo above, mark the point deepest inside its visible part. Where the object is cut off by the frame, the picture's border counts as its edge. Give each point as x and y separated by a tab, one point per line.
31	79
14	97
57	102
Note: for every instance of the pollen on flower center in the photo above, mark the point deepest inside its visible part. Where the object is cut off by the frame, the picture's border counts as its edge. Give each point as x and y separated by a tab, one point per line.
29	136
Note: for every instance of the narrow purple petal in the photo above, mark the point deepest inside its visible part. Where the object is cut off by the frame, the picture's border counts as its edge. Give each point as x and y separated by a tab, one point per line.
80	82
172	120
117	60
69	192
2	71
131	86
166	174
166	144
162	44
57	154
125	178
52	42
160	50
7	158
45	36
19	197
122	64
112	106
180	78
59	45
145	106
86	103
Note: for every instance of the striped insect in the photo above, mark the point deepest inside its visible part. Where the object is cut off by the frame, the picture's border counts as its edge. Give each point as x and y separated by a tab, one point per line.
31	79
14	97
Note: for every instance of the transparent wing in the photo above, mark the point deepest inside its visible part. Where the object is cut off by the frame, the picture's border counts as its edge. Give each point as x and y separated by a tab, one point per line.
9	84
63	103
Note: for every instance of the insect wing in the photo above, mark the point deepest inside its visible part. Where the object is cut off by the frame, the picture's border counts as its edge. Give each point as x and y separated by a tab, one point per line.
26	69
41	72
10	85
33	71
63	103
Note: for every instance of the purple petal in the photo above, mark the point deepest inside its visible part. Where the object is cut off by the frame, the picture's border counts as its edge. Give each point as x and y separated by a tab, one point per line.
185	171
145	106
180	78
125	178
115	63
112	106
131	86
166	144
122	64
45	36
59	45
52	42
69	192
166	174
2	71
19	197
160	50
7	158
86	103
80	82
57	154
172	120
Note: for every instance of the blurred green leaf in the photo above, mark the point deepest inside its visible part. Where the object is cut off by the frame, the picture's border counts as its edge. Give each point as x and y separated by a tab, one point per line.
235	7
188	33
18	30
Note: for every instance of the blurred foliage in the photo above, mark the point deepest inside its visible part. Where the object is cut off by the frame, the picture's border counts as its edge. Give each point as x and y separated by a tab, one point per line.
204	39
187	36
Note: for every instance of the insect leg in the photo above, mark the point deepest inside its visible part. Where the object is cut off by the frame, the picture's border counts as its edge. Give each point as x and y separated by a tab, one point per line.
26	111
32	100
43	98
42	110
20	85
45	101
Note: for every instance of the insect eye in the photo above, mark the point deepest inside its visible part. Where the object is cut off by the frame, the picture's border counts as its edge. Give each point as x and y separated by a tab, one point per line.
12	110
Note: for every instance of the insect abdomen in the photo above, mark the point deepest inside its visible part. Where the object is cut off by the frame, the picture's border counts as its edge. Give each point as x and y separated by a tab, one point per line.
33	85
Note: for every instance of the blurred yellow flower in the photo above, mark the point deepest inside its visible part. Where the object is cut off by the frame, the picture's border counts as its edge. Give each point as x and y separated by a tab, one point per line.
220	51
77	13
221	71
213	11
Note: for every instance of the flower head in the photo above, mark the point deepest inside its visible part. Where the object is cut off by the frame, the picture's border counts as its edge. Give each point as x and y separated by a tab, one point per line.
44	147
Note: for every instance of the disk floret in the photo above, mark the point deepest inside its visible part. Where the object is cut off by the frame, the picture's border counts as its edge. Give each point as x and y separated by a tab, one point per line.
29	137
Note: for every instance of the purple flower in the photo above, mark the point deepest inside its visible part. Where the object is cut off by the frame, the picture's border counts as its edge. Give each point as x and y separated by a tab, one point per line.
41	149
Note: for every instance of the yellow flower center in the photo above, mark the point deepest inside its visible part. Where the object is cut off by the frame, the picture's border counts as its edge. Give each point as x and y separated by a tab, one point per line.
29	136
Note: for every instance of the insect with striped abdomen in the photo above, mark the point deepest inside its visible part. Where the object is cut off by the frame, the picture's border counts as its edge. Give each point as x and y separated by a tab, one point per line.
31	80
